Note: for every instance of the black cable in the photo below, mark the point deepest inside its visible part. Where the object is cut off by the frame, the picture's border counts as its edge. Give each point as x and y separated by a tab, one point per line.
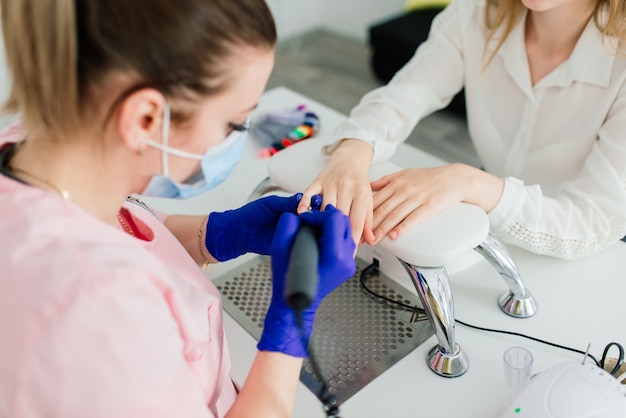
539	340
328	399
373	269
367	271
620	359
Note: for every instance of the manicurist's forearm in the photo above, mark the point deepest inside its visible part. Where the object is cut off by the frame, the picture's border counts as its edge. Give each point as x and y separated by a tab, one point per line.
270	388
191	232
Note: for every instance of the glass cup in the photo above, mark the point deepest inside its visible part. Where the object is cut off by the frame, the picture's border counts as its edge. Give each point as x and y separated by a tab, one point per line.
518	365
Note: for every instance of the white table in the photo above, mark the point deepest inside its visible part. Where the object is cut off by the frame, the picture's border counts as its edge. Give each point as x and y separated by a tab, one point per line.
580	302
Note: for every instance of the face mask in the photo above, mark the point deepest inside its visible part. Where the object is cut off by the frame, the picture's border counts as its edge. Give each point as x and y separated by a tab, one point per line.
216	164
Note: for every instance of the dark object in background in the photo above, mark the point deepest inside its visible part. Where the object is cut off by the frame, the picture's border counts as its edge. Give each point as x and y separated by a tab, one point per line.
393	44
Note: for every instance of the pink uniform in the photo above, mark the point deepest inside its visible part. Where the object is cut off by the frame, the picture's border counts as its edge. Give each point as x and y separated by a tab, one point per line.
98	323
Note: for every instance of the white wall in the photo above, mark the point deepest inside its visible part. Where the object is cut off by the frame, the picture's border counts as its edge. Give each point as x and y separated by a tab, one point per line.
294	17
352	18
4	84
4	76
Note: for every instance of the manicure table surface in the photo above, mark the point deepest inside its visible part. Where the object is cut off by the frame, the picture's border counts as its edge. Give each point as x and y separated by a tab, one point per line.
580	303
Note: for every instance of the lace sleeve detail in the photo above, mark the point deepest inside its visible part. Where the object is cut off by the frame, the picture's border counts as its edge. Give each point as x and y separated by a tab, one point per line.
541	242
562	227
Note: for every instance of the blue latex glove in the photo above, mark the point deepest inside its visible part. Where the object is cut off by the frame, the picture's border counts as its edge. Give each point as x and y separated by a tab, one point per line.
249	229
336	265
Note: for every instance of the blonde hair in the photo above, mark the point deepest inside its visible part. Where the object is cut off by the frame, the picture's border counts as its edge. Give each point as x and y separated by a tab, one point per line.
58	50
608	16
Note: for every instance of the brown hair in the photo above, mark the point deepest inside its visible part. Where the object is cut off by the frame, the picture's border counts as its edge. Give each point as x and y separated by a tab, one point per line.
57	50
608	15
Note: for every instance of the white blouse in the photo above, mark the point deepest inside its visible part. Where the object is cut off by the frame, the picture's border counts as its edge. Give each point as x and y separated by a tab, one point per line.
560	145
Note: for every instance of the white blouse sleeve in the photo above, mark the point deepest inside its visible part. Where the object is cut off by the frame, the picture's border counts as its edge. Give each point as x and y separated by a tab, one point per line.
428	82
589	212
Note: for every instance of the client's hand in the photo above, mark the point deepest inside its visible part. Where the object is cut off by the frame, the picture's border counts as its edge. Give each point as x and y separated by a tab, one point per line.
250	228
336	265
407	197
344	184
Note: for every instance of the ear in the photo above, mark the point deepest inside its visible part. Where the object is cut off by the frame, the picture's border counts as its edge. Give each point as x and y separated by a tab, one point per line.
140	118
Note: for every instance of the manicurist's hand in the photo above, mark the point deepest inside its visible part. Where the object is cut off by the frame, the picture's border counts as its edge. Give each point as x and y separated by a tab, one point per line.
271	385
336	265
408	197
250	228
344	183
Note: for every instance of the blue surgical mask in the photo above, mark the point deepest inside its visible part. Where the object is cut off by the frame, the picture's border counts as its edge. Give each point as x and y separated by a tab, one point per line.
216	164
